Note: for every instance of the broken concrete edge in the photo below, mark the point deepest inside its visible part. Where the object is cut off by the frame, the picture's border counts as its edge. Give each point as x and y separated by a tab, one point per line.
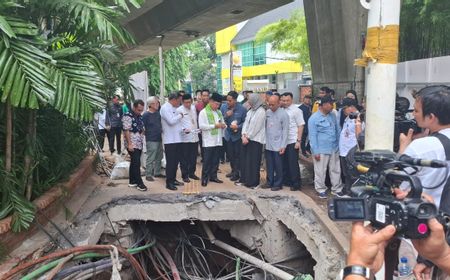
310	218
47	203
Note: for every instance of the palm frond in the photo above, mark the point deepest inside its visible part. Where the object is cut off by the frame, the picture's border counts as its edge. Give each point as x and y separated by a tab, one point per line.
124	4
23	78
79	89
94	16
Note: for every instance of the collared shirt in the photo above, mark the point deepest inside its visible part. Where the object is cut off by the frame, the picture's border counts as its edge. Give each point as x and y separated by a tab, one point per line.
153	128
114	115
239	114
306	109
324	133
100	117
347	138
277	129
171	124
208	139
295	120
189	124
134	124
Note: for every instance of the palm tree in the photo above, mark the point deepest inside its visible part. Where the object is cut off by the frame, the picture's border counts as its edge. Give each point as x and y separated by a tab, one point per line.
55	53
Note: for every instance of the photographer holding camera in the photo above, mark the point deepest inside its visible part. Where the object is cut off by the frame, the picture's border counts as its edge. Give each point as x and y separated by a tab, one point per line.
431	111
367	246
351	128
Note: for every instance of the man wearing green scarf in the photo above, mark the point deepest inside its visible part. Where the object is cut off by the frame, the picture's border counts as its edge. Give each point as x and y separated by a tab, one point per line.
211	123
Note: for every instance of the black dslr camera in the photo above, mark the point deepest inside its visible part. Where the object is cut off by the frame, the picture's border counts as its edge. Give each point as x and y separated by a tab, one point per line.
373	199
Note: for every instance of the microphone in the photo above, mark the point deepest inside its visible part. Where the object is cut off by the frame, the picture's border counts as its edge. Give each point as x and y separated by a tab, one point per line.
422	162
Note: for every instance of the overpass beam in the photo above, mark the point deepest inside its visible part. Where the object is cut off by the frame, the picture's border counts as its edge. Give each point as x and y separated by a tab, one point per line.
380	57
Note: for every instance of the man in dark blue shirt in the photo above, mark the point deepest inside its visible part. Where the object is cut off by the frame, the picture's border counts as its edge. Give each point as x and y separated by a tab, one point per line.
234	115
153	132
306	109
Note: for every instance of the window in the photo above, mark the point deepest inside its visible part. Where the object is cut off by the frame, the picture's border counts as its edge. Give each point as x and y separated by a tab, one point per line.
247	53
259	53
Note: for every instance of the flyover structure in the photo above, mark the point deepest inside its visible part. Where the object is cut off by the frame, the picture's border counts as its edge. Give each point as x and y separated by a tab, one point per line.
181	21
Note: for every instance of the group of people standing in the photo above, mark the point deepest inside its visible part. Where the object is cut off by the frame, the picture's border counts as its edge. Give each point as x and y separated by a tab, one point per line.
264	127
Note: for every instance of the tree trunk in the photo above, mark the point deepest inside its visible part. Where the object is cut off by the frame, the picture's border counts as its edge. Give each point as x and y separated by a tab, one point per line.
29	153
9	135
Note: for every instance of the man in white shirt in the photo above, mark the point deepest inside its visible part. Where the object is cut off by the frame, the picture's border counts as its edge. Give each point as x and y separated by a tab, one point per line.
211	123
291	170
172	128
103	129
431	111
351	128
189	137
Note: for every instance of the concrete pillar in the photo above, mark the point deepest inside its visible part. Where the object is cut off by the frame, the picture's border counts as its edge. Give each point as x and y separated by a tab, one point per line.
380	57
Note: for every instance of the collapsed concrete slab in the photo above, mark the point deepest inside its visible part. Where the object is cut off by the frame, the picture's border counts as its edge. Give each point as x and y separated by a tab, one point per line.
281	226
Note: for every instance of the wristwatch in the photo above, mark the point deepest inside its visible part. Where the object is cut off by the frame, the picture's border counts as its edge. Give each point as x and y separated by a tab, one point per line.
357	270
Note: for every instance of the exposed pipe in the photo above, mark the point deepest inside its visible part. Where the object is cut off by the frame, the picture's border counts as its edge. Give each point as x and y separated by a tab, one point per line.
243	255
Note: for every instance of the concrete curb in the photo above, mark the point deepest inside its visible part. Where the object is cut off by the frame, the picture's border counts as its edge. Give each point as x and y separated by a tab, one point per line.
47	204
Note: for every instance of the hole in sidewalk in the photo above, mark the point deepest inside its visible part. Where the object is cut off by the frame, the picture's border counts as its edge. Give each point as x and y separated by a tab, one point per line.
184	248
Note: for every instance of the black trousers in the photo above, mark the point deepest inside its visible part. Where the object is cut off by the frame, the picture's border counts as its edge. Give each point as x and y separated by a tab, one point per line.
135	167
251	163
115	133
233	153
173	155
211	157
101	137
291	170
305	146
188	162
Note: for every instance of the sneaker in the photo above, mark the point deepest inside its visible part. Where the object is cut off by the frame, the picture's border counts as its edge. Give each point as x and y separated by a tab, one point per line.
323	195
265	186
239	184
274	189
132	185
160	176
149	178
339	194
141	187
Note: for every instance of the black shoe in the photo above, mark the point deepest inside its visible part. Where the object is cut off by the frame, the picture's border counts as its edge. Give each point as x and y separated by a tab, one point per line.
176	183
160	176
186	180
235	178
194	177
171	187
295	189
229	175
222	162
274	189
216	180
141	187
204	183
149	178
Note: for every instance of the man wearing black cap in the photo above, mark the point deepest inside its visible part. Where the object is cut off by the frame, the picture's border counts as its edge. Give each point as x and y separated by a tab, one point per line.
211	122
189	136
172	129
351	128
324	139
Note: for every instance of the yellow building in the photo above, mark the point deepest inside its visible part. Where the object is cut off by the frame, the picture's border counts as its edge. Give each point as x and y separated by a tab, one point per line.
254	66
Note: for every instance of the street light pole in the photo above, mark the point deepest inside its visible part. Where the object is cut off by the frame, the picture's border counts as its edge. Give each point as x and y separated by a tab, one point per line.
162	85
380	58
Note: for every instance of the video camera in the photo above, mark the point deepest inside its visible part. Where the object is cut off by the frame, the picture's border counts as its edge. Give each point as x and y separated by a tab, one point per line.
402	123
373	198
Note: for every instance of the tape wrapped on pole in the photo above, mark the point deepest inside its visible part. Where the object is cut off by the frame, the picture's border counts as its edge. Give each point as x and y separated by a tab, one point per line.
381	46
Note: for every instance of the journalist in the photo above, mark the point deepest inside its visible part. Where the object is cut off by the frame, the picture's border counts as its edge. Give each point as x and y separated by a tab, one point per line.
431	111
367	246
